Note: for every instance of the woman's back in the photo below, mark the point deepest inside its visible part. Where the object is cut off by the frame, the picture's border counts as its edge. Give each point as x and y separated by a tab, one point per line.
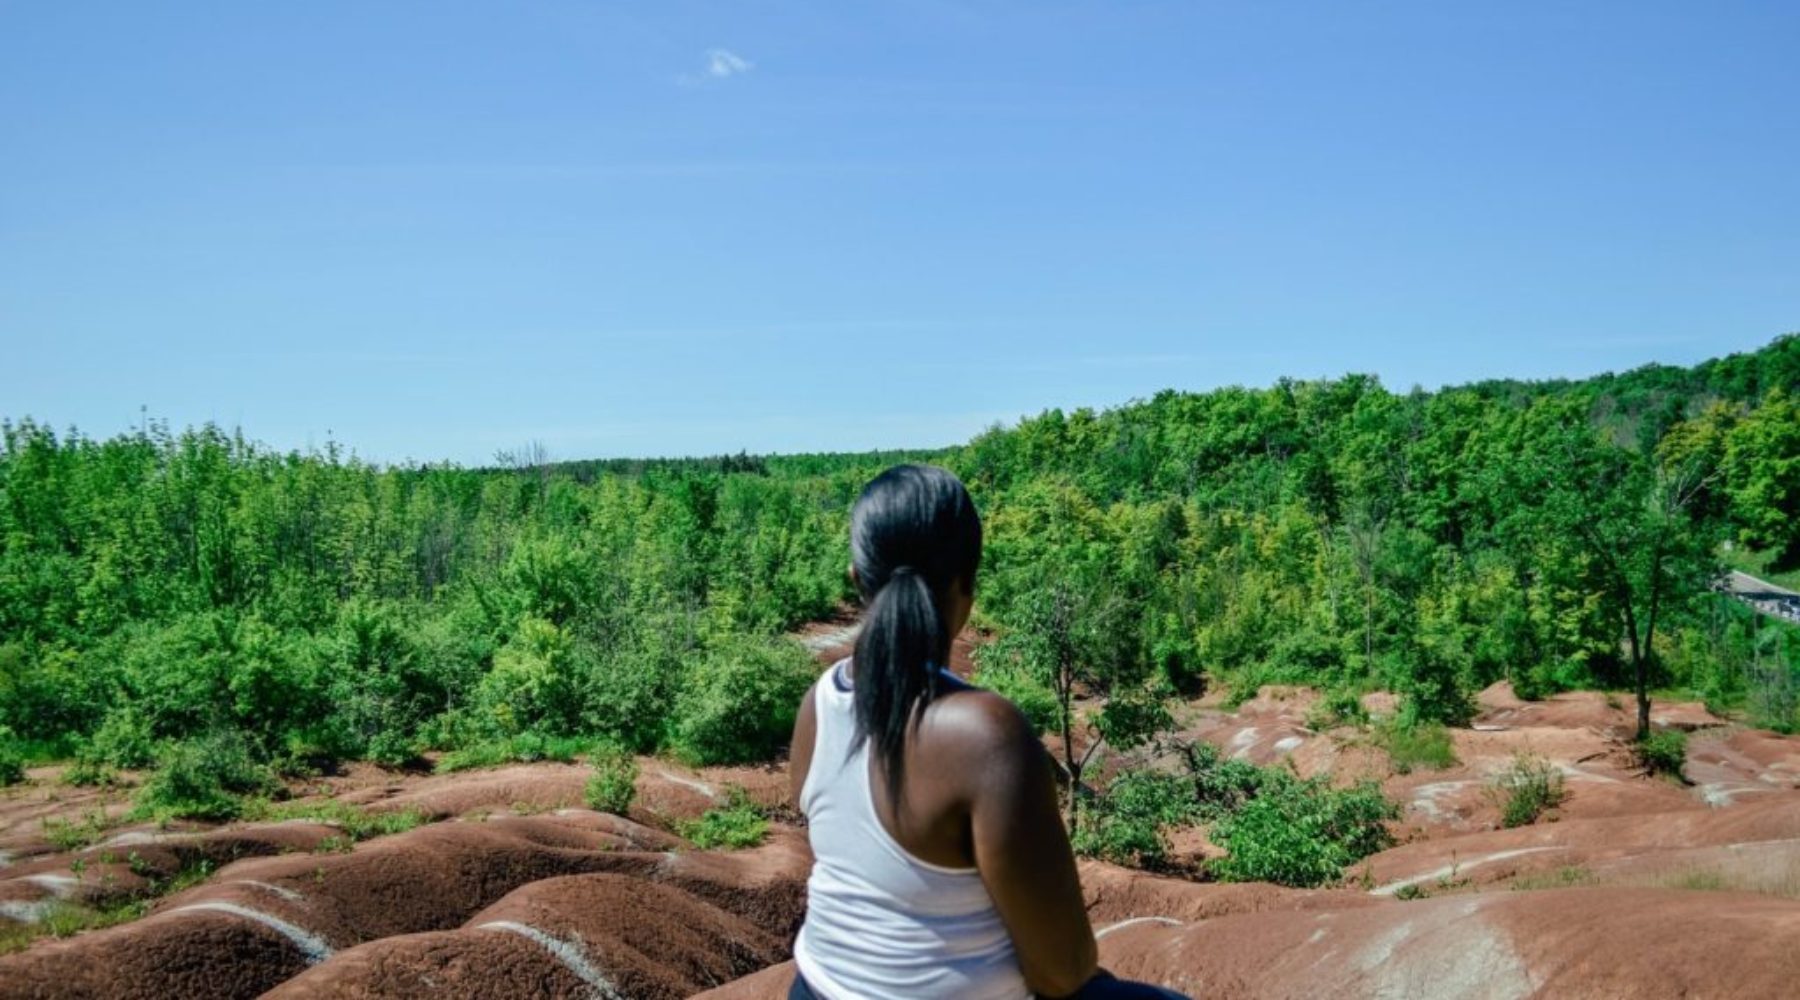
880	920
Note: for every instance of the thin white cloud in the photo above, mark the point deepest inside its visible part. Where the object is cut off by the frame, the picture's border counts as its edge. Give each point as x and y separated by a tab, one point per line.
721	64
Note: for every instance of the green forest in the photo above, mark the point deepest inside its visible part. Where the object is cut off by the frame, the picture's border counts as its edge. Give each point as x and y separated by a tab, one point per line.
168	595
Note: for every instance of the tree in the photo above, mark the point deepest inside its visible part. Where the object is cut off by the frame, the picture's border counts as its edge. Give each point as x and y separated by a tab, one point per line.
1762	476
1628	515
1078	638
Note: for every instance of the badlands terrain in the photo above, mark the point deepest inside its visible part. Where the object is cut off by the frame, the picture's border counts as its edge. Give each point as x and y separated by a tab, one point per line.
1637	886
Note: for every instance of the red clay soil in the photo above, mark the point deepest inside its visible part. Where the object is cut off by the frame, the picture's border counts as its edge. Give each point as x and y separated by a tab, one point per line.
567	902
128	865
687	923
1554	943
1570	943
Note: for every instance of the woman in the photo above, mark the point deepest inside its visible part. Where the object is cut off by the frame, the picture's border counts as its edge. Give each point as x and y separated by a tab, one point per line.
942	868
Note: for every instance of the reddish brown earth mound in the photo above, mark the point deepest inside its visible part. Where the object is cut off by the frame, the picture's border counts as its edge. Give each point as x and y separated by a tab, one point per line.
1562	943
1636	886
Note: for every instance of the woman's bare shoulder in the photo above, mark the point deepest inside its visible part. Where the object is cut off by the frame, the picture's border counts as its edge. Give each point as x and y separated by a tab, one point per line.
972	720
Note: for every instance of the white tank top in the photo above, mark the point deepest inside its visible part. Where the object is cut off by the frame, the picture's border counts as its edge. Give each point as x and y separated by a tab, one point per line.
880	923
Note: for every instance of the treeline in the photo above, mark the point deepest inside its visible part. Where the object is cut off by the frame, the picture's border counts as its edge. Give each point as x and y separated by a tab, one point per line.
158	587
1338	534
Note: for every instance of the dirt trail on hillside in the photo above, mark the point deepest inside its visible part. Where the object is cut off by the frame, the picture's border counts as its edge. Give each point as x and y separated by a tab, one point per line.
1636	886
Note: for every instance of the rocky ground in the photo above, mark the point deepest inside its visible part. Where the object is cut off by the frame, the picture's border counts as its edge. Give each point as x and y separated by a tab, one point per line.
1636	886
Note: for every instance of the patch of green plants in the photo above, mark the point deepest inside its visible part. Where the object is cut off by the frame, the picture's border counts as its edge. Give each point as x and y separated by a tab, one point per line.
739	700
1336	708
73	835
524	748
1530	787
90	772
12	758
357	822
1699	880
1415	745
613	784
1663	752
64	919
1560	878
737	824
211	778
1128	823
1301	831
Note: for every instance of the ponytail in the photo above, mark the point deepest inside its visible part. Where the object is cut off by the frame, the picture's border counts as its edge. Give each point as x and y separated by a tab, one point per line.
914	532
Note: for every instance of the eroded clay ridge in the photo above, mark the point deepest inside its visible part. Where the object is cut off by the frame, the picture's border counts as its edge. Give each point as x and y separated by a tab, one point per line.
1639	887
575	904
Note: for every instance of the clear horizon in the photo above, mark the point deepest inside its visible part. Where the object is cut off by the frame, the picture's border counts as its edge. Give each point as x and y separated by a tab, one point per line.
436	231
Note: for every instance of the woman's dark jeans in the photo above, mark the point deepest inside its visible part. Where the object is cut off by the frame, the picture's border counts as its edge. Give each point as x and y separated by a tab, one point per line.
1104	986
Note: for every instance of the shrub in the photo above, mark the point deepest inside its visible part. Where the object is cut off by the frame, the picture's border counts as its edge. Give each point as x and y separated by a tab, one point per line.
12	758
613	784
356	822
1529	788
1032	697
124	740
205	778
1336	709
534	683
1301	832
524	748
737	824
1417	744
1664	751
1120	839
1221	785
1127	825
739	700
88	772
627	691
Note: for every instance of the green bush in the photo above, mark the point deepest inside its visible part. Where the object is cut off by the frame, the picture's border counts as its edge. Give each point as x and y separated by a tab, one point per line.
524	748
737	824
1120	839
1529	788
1415	745
1301	832
627	691
357	823
535	683
124	740
738	701
1221	785
1664	752
1336	708
89	772
12	758
613	784
1034	700
205	778
1127	824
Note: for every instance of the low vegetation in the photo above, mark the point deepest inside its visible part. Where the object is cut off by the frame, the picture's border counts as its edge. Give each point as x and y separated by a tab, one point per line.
1526	790
1275	826
737	824
1663	752
225	614
1413	745
210	778
613	785
12	758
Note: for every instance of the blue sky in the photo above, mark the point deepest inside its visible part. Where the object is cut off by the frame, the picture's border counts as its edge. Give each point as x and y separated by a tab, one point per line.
436	230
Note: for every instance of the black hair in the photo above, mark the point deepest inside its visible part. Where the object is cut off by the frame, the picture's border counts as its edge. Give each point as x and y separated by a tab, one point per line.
913	533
